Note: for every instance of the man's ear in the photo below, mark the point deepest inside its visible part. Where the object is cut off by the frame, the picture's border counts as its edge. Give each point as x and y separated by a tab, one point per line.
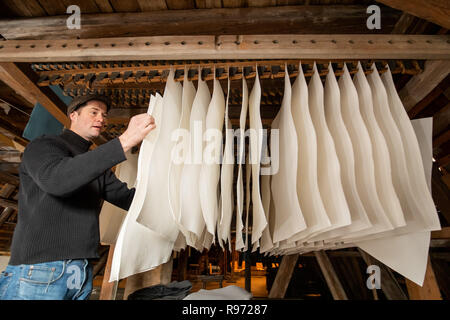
72	115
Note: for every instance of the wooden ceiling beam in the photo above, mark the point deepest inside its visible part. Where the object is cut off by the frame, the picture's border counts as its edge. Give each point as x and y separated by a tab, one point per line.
293	46
420	85
435	11
348	19
27	88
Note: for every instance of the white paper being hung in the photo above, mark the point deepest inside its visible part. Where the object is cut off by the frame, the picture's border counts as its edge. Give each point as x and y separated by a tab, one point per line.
239	245
191	216
256	142
155	213
210	170
226	180
111	216
407	254
179	156
288	217
329	179
345	154
138	248
307	185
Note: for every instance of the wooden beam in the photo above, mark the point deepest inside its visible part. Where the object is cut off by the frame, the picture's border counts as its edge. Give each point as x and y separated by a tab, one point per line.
6	203
319	46
429	290
423	83
160	275
348	19
283	277
24	86
109	289
403	24
435	11
444	233
441	194
390	285
10	167
441	139
335	286
9	178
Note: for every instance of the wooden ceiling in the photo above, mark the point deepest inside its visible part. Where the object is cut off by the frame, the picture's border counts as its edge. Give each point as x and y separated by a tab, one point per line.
45	19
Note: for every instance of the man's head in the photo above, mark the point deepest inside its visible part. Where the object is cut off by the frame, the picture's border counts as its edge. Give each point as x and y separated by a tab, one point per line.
87	115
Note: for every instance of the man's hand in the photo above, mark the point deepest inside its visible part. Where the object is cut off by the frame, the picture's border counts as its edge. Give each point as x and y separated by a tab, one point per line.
138	128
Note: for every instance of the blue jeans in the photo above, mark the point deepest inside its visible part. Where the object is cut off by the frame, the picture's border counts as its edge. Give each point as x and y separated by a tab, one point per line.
56	280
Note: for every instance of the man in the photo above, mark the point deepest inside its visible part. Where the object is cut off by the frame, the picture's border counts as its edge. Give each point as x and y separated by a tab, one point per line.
62	185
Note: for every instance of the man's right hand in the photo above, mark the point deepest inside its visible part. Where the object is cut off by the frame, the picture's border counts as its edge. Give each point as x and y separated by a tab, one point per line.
138	128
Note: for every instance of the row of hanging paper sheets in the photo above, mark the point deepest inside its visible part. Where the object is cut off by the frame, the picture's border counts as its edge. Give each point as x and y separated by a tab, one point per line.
345	170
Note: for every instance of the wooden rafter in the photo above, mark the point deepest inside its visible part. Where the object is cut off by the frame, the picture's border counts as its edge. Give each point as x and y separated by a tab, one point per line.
435	11
24	86
420	85
347	19
336	46
283	277
335	286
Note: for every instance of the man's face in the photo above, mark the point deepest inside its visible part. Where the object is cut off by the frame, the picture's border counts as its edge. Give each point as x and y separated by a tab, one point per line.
89	120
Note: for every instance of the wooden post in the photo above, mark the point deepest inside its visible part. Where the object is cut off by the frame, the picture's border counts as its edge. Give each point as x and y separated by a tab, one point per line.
389	284
330	275
182	265
429	290
159	275
283	277
109	289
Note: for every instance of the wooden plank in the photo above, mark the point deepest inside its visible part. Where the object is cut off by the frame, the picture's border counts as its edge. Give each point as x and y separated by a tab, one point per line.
180	4
403	24
441	119
335	286
24	86
441	139
435	11
348	19
429	290
104	6
10	167
441	194
122	6
152	5
29	8
9	178
283	277
53	8
390	285
109	289
160	275
423	83
232	47
6	203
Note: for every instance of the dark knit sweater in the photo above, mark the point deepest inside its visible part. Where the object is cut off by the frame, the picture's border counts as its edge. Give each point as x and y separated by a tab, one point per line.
62	185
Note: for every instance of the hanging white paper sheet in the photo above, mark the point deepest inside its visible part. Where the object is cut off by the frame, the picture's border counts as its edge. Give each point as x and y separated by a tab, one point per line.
241	160
155	213
307	185
210	171
138	248
408	254
191	217
256	141
226	181
288	217
328	167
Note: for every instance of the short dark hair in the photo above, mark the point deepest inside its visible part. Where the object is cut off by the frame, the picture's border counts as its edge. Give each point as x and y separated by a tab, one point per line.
82	101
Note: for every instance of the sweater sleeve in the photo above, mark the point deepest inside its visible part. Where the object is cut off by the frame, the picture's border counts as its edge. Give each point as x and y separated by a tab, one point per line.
117	192
48	162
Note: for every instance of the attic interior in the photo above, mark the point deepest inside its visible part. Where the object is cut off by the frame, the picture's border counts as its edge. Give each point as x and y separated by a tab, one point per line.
128	83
